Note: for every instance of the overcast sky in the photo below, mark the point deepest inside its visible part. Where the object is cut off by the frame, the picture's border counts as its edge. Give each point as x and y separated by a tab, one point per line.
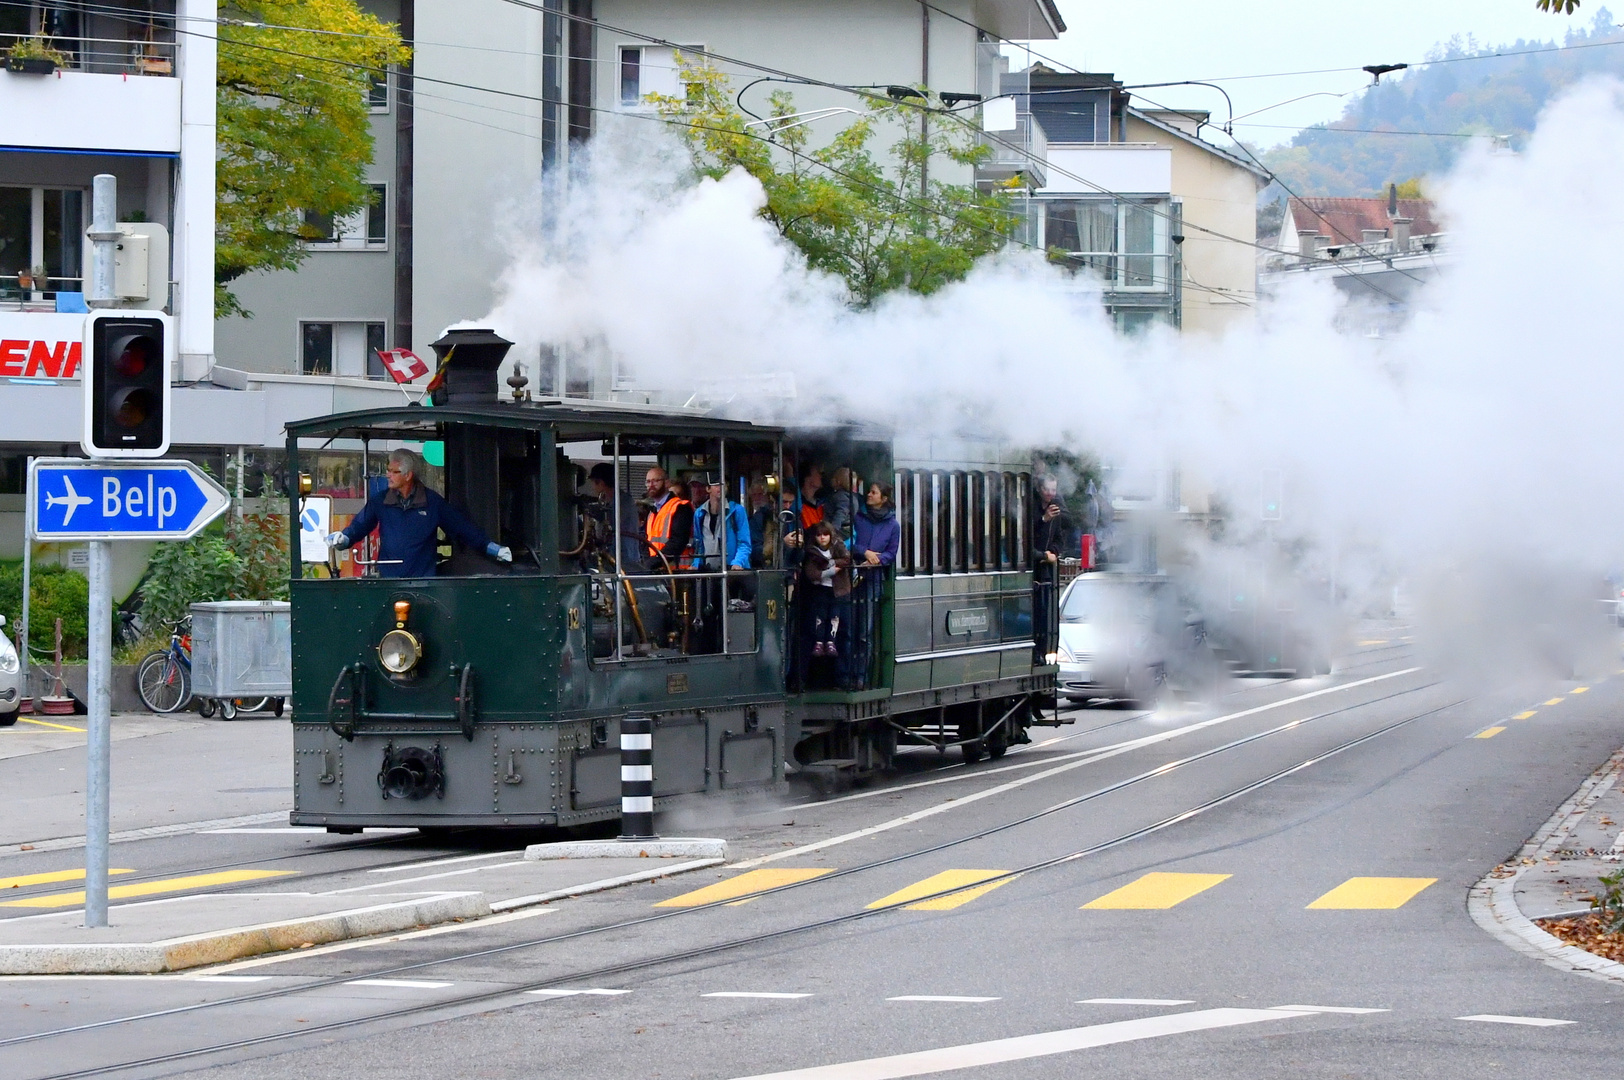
1160	40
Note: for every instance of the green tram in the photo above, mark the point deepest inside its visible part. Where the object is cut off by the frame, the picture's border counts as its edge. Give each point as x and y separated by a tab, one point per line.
491	694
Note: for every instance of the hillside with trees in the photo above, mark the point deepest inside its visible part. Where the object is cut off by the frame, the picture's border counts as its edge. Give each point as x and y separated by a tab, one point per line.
1465	92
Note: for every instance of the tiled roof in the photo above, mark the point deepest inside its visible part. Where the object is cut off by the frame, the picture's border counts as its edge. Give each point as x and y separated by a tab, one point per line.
1344	220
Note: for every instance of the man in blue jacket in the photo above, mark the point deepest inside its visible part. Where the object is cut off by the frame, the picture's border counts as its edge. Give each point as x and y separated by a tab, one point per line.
710	522
406	516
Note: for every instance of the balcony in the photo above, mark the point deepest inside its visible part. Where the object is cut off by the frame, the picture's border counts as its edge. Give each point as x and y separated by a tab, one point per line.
79	110
1018	156
1116	168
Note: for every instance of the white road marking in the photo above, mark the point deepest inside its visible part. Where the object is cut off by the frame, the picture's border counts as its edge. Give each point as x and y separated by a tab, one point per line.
943	997
1023	1047
577	993
1134	1001
316	830
445	862
366	943
1327	1009
231	978
403	984
1526	1021
425	877
751	994
1086	757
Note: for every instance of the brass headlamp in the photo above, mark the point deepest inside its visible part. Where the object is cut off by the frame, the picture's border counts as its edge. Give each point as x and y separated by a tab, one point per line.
400	650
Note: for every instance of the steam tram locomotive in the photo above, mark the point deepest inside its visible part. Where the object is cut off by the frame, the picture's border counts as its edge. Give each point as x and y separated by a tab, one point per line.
492	693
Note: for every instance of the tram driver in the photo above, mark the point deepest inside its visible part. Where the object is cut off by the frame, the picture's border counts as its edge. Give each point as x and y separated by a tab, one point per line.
407	514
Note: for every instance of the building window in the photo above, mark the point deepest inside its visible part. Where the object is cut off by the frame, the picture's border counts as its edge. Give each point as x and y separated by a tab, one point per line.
41	242
1124	241
367	228
378	92
649	69
348	348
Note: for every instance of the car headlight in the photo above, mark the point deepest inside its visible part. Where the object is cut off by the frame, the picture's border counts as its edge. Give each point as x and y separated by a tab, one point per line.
399	651
8	657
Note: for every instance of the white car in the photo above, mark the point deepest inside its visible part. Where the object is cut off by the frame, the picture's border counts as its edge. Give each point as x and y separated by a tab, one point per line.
1117	632
11	681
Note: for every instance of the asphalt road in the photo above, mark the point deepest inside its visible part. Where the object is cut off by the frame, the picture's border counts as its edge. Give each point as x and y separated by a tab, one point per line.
1289	903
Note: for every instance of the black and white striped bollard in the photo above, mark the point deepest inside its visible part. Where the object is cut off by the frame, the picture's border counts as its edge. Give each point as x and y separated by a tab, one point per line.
637	778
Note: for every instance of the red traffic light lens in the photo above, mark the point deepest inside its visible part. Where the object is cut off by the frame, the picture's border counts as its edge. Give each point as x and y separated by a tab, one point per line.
132	406
134	355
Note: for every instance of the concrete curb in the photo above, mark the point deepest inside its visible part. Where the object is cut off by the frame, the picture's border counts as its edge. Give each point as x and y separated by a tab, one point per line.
236	943
672	848
1492	902
603	885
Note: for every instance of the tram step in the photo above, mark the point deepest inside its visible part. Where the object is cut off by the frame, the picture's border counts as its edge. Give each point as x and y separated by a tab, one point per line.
831	765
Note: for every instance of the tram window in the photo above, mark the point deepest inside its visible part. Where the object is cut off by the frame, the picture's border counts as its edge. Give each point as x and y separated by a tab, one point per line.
955	521
900	480
974	485
1023	489
939	563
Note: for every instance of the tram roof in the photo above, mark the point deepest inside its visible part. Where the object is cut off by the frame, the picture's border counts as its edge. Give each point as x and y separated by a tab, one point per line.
569	417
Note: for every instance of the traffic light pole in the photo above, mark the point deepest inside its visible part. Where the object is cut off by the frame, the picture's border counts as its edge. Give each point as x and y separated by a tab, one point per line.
99	755
103	235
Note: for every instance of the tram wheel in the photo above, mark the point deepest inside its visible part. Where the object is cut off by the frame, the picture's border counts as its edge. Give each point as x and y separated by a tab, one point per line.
997	743
972	752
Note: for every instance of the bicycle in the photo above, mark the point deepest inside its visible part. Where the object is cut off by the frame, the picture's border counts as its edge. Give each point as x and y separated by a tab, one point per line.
164	679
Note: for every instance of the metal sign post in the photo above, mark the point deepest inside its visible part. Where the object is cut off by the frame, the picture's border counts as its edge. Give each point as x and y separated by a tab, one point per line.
72	499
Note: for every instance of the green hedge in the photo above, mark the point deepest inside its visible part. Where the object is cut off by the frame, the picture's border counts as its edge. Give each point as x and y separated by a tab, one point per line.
56	592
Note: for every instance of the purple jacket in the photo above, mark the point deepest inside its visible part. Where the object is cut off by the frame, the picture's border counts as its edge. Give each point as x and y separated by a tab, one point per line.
881	537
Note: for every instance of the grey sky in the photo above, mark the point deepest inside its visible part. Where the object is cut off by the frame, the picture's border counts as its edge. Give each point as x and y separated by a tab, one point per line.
1161	40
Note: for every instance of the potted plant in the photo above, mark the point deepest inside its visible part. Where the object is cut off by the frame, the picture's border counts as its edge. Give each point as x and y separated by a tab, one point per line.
34	56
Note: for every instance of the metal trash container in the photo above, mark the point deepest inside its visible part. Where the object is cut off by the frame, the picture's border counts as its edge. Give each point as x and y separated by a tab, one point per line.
242	648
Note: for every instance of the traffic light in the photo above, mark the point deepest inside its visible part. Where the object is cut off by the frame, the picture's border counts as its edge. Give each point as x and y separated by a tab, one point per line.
128	357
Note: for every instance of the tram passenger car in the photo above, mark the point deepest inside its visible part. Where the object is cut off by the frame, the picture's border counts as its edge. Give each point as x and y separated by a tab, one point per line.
492	694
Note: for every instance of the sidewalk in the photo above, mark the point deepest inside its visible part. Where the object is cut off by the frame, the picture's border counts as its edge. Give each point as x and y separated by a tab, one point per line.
1556	873
210	928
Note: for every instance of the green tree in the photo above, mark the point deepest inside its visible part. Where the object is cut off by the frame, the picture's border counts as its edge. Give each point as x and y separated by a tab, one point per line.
293	135
1558	7
878	225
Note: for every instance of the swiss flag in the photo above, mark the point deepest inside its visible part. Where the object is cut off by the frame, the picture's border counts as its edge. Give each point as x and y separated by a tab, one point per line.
403	365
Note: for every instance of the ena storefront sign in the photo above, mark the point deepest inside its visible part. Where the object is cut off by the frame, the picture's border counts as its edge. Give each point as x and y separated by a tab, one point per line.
43	345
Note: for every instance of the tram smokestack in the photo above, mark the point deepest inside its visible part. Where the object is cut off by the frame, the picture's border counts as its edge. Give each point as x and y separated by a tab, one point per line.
470	376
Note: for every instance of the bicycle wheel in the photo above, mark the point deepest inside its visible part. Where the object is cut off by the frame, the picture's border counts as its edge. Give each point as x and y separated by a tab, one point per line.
163	683
251	704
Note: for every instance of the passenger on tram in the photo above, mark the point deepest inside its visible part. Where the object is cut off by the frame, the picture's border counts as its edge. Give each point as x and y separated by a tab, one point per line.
1047	529
813	501
713	524
670	523
763	534
879	536
406	514
602	481
825	573
840	504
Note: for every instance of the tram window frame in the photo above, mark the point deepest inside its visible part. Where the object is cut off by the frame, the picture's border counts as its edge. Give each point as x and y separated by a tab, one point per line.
903	498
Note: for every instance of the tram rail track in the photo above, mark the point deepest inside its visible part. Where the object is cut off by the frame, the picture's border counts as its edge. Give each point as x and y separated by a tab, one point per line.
707	950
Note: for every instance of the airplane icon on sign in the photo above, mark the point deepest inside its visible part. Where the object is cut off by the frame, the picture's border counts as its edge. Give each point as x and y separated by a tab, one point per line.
73	500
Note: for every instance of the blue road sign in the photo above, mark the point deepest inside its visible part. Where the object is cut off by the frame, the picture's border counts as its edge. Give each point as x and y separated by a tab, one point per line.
75	499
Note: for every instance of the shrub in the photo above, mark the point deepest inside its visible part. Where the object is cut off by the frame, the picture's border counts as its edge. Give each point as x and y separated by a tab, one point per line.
55	592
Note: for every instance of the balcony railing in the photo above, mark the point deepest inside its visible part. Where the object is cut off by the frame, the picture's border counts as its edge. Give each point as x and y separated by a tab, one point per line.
1019	155
1134	271
108	56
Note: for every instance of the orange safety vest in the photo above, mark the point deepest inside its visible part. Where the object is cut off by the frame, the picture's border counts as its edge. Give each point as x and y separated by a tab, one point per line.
659	530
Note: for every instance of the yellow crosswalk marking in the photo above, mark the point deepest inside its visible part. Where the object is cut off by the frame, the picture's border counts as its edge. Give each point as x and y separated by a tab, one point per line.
752	881
1365	893
937	883
47	723
1554	701
1156	891
46	879
1488	733
1578	689
150	888
1524	715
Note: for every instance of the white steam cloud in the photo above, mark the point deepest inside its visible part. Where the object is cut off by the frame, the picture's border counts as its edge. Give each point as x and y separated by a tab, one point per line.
1486	435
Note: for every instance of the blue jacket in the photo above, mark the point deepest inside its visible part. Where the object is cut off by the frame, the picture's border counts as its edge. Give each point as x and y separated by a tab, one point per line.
738	535
881	537
406	530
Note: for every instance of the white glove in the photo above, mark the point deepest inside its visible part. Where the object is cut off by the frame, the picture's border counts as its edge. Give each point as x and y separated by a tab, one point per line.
498	552
337	540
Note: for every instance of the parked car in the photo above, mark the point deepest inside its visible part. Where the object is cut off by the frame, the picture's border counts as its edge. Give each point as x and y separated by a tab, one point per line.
11	680
1121	635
